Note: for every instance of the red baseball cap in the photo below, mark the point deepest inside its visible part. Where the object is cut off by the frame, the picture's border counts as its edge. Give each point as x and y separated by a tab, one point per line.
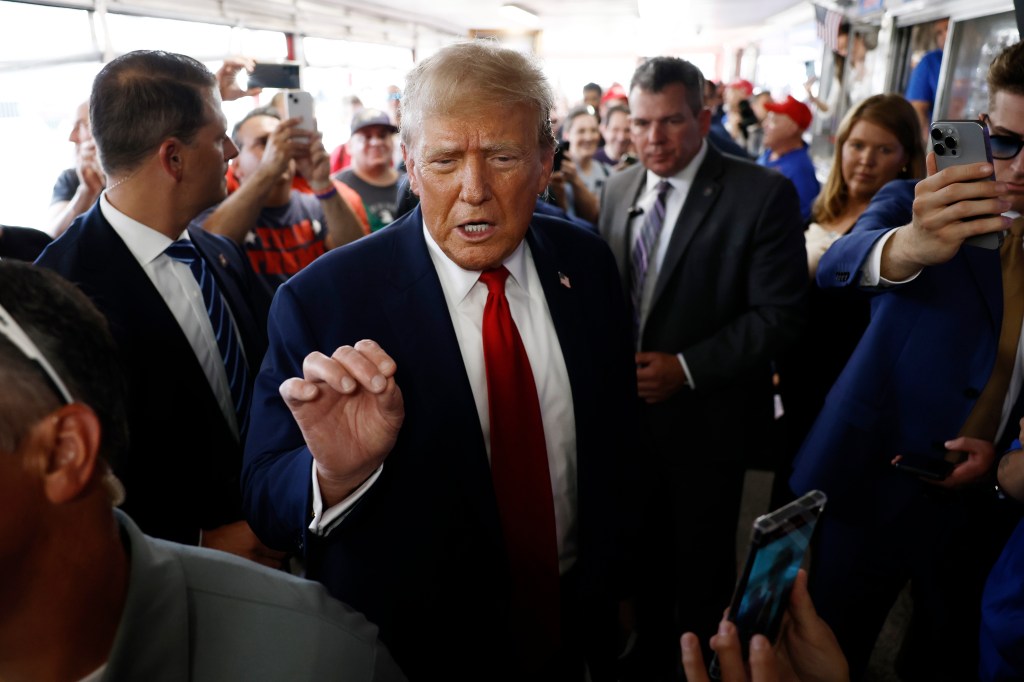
616	91
793	108
742	84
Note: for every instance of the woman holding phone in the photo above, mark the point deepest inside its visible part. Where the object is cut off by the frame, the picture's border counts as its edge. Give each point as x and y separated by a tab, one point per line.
576	185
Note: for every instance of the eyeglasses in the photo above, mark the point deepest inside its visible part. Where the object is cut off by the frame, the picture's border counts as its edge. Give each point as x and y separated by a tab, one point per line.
13	332
1004	147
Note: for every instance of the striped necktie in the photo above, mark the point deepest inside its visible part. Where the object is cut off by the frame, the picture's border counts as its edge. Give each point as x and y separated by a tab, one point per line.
223	328
644	249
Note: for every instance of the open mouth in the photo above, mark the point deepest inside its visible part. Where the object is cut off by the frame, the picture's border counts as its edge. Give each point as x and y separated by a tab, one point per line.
473	229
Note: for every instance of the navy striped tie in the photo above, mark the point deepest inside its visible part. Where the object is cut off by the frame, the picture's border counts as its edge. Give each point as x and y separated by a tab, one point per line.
644	248
223	328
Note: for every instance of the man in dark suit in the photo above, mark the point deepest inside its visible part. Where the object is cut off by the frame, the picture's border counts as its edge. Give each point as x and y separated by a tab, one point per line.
407	437
157	121
937	375
710	252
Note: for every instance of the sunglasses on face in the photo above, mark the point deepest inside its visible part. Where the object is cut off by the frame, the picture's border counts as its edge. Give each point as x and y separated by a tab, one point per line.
1004	147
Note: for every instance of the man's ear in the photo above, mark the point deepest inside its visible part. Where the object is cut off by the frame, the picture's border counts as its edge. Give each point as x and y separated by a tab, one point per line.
72	446
170	155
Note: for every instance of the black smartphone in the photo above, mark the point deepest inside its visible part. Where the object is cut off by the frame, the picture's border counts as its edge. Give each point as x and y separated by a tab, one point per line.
560	151
778	543
284	75
932	467
958	143
628	159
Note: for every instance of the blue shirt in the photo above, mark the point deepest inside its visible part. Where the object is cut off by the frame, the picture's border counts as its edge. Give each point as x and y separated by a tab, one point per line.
924	81
797	166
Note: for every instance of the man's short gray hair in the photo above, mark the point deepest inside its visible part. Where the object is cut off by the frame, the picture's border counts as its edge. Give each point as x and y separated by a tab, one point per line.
467	75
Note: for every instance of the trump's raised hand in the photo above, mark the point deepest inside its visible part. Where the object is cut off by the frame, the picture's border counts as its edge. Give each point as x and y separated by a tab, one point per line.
349	410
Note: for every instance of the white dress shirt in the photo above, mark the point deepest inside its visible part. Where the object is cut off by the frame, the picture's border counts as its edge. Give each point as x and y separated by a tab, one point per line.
180	290
674	201
465	297
871	276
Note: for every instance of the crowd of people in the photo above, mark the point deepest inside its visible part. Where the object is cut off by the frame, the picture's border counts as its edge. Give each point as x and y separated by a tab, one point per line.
495	403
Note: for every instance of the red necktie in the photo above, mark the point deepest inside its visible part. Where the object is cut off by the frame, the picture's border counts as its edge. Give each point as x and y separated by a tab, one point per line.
519	469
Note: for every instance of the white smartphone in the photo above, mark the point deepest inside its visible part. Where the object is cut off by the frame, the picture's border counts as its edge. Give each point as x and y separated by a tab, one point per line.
299	104
957	143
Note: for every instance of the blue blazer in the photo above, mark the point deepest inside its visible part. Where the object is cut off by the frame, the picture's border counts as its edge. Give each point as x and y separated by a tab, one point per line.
421	554
181	474
915	376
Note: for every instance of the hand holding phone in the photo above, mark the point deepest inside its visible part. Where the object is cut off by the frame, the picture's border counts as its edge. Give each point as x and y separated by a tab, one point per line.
778	543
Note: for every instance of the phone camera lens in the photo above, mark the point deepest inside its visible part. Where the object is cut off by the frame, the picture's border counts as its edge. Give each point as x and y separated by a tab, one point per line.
939	149
936	134
951	142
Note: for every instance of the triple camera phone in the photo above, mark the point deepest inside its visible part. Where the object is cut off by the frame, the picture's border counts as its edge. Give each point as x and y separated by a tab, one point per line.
957	143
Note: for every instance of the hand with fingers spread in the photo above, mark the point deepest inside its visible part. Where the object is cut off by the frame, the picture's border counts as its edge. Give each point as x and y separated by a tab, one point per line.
349	410
948	206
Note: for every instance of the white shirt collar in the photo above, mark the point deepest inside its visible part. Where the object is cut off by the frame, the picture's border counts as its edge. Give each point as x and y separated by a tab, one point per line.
460	281
145	243
683	178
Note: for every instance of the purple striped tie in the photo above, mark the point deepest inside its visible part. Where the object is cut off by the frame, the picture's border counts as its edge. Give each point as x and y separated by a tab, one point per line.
653	222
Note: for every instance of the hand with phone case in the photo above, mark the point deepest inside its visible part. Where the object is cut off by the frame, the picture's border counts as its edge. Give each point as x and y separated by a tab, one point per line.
950	206
957	143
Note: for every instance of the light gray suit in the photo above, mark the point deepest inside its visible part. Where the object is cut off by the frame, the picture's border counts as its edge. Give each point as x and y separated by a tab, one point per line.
729	296
197	614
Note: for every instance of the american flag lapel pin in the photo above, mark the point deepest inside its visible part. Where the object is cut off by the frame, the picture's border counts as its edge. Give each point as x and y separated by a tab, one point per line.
222	259
564	280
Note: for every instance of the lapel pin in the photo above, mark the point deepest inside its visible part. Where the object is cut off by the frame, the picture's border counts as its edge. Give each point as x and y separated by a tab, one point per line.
564	281
222	259
707	191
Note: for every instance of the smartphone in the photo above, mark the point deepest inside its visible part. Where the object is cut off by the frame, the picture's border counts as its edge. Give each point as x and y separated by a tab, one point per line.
778	543
932	467
957	143
560	151
299	104
628	159
284	75
809	69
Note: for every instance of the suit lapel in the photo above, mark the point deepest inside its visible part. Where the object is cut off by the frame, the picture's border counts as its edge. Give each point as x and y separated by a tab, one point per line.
429	359
701	197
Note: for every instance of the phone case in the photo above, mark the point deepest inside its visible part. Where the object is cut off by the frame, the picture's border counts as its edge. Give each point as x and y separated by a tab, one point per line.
961	142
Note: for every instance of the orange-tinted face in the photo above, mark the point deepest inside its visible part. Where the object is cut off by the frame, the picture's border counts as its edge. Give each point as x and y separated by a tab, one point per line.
1006	117
478	175
665	131
872	156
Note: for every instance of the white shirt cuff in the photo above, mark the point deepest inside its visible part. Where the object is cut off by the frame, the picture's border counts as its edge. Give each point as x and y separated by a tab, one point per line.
686	370
325	521
871	273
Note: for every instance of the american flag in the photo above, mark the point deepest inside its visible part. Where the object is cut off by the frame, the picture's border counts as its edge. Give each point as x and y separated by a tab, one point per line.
828	26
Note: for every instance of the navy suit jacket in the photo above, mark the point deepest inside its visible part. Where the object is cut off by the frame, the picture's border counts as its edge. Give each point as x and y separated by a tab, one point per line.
182	471
916	374
421	554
